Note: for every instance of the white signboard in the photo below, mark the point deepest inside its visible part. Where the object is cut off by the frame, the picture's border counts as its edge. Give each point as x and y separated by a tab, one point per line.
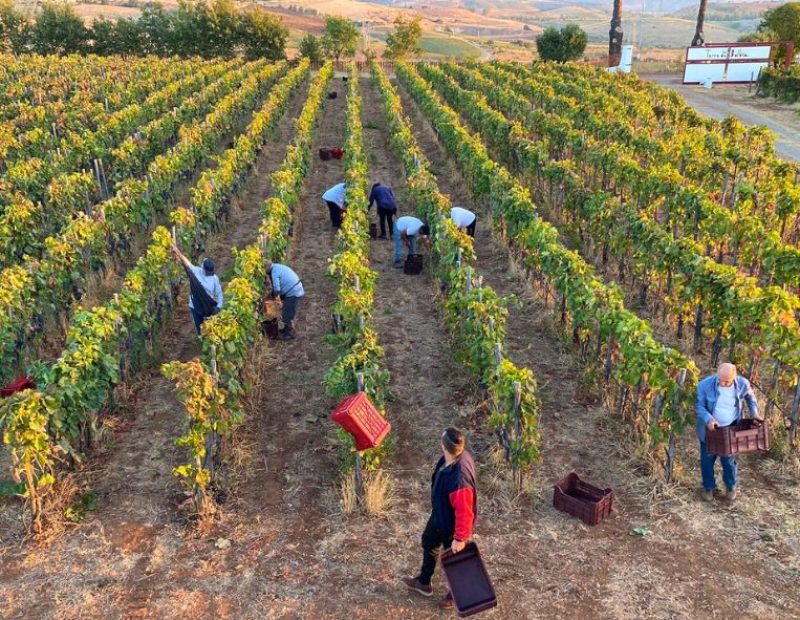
754	52
726	63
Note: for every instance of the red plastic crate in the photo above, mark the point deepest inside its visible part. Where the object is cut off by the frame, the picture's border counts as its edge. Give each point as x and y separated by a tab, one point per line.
358	416
23	383
583	500
745	436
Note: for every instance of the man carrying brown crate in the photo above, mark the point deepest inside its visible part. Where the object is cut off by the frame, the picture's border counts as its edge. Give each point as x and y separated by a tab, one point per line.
454	506
719	404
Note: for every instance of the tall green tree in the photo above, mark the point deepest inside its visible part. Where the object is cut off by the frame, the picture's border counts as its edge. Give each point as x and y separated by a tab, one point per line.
263	35
225	27
405	39
59	30
158	30
340	37
123	36
14	28
311	48
784	21
563	45
192	29
779	24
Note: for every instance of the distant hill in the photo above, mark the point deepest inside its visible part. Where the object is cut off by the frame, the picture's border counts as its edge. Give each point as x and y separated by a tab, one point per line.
722	12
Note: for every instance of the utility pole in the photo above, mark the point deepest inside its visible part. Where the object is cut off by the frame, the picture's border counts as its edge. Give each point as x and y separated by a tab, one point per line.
615	36
699	37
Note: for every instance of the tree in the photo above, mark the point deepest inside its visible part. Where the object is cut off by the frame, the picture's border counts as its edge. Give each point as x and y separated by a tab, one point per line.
699	37
263	35
59	30
615	36
311	48
104	36
124	36
563	45
340	37
226	28
14	28
192	30
158	28
784	21
780	24
130	36
405	39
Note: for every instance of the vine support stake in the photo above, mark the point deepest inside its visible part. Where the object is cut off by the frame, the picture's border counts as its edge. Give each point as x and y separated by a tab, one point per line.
794	413
214	363
771	395
469	280
174	232
517	430
669	465
104	179
98	178
458	257
498	353
358	470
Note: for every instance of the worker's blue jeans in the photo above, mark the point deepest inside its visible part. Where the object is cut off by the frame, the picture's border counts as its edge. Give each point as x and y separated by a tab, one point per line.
398	245
198	319
707	461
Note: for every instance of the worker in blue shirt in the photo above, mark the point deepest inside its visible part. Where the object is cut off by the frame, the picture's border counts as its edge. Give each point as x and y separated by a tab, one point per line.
286	284
720	401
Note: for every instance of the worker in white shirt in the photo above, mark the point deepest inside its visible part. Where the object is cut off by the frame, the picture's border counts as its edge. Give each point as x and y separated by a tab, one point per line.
201	309
406	231
335	199
287	284
464	219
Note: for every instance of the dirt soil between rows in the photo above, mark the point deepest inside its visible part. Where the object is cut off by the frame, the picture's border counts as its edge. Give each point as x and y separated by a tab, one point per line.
281	546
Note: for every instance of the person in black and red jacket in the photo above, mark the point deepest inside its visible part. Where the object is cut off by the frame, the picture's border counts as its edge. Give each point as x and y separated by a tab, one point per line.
454	503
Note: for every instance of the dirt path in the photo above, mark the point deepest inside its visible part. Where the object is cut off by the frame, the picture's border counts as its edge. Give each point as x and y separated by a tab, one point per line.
135	528
727	99
604	571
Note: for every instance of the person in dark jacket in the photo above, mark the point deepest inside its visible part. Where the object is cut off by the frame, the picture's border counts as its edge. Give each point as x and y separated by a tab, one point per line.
387	206
454	506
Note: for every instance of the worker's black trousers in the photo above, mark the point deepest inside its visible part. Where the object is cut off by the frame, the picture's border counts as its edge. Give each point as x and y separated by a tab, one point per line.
336	213
471	227
386	218
432	539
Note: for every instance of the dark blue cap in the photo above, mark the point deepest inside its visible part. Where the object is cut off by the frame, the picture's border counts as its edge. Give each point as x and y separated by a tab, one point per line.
208	265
